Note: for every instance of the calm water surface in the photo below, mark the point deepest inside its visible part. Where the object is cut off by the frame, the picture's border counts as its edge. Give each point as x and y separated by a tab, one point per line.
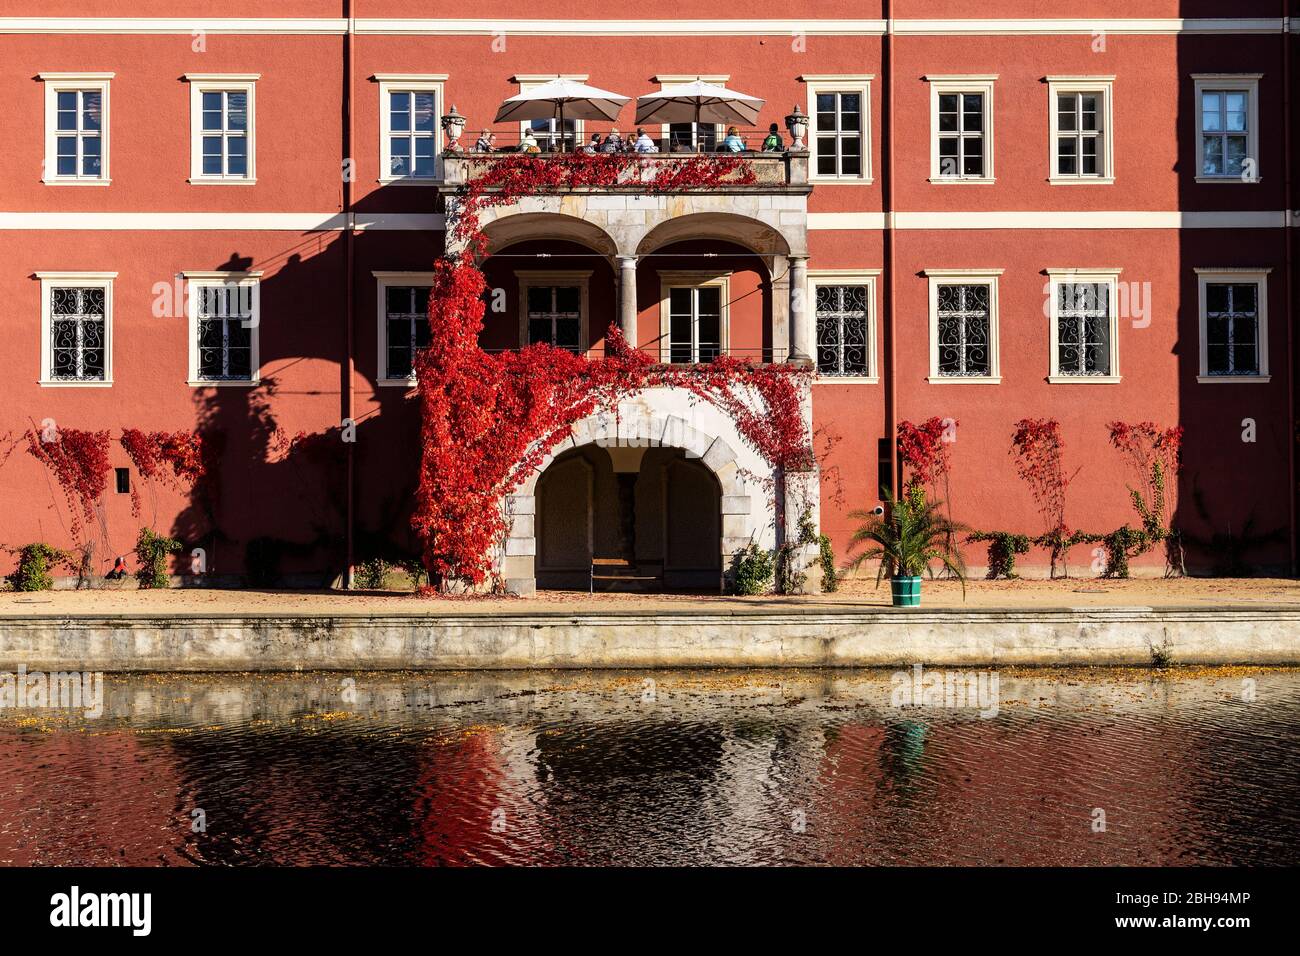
695	768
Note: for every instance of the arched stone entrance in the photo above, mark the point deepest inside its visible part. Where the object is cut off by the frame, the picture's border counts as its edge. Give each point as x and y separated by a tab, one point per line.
695	458
628	519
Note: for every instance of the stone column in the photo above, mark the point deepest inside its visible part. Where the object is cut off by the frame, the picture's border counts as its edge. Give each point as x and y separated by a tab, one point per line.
800	311
627	298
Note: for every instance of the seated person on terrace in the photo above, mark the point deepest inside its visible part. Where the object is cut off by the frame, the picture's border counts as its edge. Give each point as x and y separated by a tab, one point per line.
486	142
528	143
593	146
772	143
613	142
733	143
644	144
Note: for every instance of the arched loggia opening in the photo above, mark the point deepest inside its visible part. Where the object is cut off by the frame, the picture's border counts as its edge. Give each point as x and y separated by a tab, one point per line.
628	519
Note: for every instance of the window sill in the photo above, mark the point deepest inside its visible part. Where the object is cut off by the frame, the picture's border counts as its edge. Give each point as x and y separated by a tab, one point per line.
56	181
216	181
60	383
842	180
410	181
1083	379
223	383
1232	180
1081	180
964	379
396	382
821	379
963	180
1233	379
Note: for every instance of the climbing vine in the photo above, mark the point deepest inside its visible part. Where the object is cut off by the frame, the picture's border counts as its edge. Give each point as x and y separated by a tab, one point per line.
78	460
182	459
1038	450
489	420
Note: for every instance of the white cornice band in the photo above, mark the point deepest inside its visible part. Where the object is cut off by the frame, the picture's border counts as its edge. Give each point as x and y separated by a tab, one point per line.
595	27
849	221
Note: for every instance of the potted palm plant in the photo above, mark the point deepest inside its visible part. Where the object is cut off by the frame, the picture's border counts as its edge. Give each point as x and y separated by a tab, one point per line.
907	536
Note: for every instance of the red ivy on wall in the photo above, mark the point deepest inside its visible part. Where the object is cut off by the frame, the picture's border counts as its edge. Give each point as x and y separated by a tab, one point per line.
488	421
79	462
924	451
1155	454
181	458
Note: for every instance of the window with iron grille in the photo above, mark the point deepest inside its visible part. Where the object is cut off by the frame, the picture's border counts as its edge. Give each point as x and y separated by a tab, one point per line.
838	133
555	316
964	331
78	333
406	328
226	321
843	347
1232	328
1083	328
961	135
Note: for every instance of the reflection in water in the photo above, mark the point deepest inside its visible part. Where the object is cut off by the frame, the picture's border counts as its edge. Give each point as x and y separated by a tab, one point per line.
789	767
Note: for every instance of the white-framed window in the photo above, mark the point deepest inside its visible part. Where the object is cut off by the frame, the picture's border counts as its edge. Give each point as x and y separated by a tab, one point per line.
553	308
693	316
403	323
1233	325
964	326
690	137
223	128
961	129
76	128
839	126
225	317
410	120
1081	117
77	328
547	132
1083	318
1227	127
844	310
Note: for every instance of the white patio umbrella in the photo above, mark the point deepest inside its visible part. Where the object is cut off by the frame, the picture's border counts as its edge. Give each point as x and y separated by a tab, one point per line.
698	101
559	98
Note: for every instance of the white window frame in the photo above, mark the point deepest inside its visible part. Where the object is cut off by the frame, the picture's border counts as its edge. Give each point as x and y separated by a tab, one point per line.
1103	86
693	279
201	83
54	280
409	83
56	83
988	277
1106	277
1233	82
546	278
833	277
253	280
528	81
666	83
1205	277
940	85
859	83
383	280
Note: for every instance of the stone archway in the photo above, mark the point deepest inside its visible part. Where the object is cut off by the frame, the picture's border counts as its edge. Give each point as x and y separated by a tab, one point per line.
649	422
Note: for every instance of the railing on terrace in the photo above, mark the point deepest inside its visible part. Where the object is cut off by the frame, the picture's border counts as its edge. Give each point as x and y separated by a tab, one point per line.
684	355
770	169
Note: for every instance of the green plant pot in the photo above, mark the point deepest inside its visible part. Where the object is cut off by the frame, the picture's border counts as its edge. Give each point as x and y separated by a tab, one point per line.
906	591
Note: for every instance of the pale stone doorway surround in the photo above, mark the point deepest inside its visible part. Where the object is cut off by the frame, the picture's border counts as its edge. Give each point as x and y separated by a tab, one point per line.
751	490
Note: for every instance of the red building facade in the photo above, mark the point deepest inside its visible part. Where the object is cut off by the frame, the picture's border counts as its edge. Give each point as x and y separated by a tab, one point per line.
1019	216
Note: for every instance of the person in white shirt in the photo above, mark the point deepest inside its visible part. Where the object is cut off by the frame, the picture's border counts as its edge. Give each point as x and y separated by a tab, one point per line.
644	144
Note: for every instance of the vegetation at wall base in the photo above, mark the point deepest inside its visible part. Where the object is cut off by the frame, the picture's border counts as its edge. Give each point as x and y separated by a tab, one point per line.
753	570
35	561
151	554
1003	546
908	538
